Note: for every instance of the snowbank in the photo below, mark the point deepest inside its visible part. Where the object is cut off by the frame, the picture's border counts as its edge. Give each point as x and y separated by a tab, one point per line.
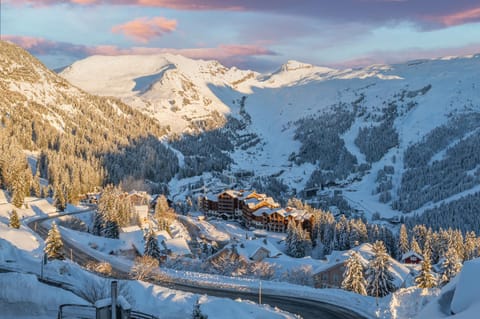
467	293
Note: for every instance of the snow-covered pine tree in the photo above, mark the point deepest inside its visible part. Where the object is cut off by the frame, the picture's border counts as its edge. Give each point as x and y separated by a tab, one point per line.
14	222
403	246
111	229
379	278
291	239
414	246
197	313
353	277
425	278
53	243
470	249
98	224
151	244
451	265
59	198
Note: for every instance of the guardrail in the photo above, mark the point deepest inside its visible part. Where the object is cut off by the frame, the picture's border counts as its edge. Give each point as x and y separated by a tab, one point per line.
72	311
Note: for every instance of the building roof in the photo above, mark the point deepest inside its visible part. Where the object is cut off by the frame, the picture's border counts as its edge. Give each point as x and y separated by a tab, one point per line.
410	254
178	246
133	237
259	249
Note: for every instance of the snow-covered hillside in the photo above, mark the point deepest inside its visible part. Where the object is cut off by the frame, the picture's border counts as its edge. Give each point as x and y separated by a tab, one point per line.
308	127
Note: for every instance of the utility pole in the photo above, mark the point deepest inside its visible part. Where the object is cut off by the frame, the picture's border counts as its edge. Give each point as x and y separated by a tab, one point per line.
260	293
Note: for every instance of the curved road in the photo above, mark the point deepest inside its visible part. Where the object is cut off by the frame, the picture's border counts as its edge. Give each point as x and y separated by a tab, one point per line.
308	309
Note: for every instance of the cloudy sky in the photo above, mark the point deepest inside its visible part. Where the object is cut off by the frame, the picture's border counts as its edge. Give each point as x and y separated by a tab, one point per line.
256	34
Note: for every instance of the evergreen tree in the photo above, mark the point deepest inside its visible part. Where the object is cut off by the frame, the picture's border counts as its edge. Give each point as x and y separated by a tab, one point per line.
403	246
470	249
111	229
379	278
451	265
151	244
18	195
197	313
98	224
415	247
14	221
425	278
291	239
53	243
353	277
59	198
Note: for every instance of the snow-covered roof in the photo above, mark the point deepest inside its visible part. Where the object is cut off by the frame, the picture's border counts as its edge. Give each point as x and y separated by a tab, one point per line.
410	254
162	235
178	246
133	237
258	250
129	229
263	210
250	247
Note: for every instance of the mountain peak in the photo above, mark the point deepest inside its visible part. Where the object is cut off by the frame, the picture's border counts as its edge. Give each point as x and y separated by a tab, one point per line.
293	65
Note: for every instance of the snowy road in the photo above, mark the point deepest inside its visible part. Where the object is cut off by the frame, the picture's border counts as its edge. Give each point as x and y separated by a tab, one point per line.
308	309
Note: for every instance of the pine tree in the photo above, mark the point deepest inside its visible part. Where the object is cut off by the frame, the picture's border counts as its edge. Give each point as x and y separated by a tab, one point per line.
59	198
18	196
54	243
98	224
451	265
151	244
403	246
470	249
379	278
425	278
353	277
14	221
415	247
291	240
111	229
197	313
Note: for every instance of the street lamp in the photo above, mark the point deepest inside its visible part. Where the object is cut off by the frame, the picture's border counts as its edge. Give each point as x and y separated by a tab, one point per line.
44	262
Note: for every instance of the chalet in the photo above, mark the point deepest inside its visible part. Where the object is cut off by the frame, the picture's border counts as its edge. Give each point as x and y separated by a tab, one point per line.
138	198
141	211
330	277
260	254
411	257
330	274
132	236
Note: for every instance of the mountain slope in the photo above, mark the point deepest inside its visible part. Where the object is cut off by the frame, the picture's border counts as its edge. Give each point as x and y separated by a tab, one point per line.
78	140
306	127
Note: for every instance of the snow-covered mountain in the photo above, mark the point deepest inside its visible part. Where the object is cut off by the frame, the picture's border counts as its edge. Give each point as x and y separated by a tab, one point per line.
383	133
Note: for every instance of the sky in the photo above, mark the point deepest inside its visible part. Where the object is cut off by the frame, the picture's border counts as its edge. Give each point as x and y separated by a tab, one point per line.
254	34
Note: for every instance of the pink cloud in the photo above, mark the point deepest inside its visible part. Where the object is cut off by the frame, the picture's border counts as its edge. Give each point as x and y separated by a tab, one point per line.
145	29
224	52
458	18
426	13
